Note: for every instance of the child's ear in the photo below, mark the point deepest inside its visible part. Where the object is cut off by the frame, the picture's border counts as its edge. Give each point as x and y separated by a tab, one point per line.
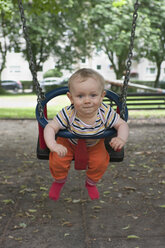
70	97
103	94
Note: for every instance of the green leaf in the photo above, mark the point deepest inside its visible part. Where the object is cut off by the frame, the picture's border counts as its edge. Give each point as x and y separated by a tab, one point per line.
132	165
32	210
23	225
126	228
162	206
8	201
68	199
97	207
133	237
76	201
66	234
107	192
43	188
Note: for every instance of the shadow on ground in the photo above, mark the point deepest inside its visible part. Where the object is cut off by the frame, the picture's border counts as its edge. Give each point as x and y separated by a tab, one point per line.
129	214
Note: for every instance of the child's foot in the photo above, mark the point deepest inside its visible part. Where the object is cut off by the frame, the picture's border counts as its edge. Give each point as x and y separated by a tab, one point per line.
54	191
92	191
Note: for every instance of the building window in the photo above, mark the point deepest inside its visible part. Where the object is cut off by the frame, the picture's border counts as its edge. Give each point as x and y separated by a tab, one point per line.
14	69
98	67
134	75
151	70
83	60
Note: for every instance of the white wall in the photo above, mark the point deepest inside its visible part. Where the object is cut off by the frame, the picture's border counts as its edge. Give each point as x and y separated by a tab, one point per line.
18	69
100	63
147	70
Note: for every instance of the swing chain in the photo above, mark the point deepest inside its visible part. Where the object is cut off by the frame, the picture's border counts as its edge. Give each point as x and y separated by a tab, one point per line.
123	96
40	94
32	67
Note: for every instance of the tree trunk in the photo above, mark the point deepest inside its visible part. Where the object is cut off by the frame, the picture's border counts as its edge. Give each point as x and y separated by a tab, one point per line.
156	83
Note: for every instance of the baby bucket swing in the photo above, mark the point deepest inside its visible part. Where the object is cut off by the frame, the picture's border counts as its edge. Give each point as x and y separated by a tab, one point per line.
43	99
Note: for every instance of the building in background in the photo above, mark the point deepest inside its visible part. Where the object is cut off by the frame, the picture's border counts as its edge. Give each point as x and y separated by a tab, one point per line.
18	69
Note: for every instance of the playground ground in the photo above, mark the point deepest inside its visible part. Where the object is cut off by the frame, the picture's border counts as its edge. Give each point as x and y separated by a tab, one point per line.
129	214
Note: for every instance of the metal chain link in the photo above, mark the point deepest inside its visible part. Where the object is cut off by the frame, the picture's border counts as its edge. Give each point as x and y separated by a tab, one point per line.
123	96
40	94
32	67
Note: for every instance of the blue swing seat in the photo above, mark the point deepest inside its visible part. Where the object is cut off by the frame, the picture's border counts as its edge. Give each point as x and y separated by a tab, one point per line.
107	134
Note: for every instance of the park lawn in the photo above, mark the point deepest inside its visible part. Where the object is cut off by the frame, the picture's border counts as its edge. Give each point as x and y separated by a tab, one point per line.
29	113
24	113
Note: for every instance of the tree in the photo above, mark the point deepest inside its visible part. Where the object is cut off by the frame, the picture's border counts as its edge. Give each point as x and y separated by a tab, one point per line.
55	27
152	34
110	23
7	31
71	30
52	32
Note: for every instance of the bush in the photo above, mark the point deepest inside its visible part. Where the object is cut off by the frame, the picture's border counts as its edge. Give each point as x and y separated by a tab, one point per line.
147	83
52	87
132	89
2	91
27	85
162	84
53	73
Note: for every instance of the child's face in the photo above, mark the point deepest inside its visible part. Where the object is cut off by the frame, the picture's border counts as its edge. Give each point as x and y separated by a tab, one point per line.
86	96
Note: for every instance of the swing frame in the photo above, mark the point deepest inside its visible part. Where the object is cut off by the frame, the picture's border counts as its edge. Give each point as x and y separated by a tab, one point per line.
42	99
65	133
108	134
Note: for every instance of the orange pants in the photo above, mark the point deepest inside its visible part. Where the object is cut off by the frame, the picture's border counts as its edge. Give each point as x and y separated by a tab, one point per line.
97	164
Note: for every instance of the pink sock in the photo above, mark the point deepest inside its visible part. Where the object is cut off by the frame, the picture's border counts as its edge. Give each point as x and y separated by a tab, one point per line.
92	191
54	191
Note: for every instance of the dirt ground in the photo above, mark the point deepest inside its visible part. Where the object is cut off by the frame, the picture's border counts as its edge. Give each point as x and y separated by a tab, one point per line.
129	214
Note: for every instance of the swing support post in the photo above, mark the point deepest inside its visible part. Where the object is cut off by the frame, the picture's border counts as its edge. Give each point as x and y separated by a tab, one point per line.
41	110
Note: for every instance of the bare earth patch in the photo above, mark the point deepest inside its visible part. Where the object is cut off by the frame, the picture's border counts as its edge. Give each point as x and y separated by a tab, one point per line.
130	212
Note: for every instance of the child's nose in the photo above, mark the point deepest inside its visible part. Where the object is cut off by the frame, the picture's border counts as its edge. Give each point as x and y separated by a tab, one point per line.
87	99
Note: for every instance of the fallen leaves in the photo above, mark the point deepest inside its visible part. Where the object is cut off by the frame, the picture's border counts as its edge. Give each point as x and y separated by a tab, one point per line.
133	237
21	225
106	192
24	189
43	188
129	188
96	207
126	228
74	201
67	223
32	210
8	201
162	206
66	234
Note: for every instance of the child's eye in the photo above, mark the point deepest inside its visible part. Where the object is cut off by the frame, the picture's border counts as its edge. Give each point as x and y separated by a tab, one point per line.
80	96
93	95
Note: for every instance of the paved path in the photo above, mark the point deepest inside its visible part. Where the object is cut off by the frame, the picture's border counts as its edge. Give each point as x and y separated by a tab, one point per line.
28	101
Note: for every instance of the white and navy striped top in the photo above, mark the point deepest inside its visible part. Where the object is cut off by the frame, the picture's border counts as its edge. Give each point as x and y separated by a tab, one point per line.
106	118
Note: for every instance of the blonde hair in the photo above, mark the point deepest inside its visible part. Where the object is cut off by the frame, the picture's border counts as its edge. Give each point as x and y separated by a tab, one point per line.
85	73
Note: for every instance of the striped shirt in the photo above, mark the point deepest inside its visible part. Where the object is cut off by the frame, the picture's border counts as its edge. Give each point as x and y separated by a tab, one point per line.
106	118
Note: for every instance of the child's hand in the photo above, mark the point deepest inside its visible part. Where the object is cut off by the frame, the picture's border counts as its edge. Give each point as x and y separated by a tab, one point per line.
117	143
59	149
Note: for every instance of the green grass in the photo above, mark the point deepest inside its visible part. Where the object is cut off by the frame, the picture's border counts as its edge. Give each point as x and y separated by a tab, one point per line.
24	113
17	113
146	113
29	113
16	95
11	109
